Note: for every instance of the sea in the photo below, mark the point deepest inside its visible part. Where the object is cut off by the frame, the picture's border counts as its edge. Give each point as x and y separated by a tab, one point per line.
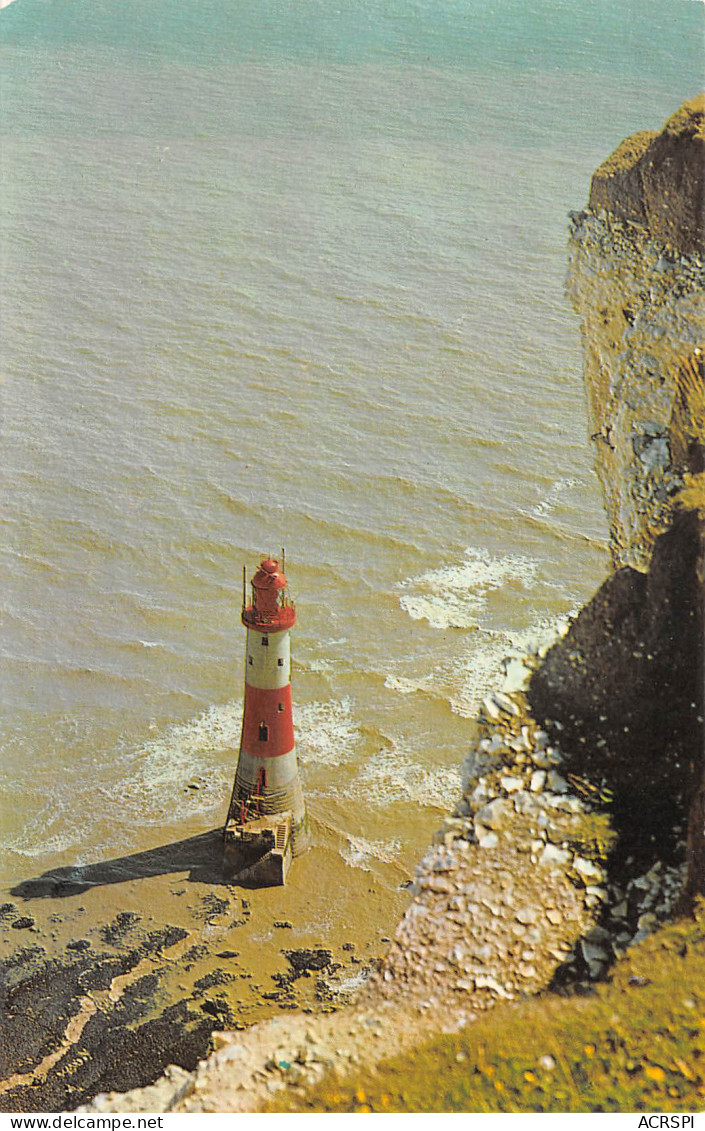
291	275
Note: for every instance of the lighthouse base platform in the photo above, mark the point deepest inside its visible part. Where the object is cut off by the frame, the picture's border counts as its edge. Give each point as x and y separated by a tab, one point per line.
258	851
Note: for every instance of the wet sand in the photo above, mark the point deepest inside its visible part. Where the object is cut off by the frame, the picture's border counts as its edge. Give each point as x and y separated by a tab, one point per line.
99	996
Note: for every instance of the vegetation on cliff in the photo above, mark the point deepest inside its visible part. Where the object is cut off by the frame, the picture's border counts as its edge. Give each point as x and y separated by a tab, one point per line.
636	1043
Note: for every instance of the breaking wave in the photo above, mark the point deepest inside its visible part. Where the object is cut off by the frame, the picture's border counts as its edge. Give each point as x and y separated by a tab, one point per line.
391	776
454	595
326	732
482	666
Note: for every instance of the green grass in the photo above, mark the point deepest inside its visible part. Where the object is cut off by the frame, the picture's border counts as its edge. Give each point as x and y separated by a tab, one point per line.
636	1044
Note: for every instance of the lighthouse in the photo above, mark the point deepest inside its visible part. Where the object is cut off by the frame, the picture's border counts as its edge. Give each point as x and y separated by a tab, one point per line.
267	818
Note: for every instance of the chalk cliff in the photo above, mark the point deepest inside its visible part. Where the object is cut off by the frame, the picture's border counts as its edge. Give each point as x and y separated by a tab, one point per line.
628	680
637	280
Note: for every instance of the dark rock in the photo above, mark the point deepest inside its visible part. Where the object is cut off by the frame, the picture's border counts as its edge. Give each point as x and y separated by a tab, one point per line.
215	978
23	922
122	923
640	717
657	180
316	959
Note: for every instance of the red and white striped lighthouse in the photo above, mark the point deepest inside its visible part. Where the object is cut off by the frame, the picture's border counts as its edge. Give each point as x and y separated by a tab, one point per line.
267	777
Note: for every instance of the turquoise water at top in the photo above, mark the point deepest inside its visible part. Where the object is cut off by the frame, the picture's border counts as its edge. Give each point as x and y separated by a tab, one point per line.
644	39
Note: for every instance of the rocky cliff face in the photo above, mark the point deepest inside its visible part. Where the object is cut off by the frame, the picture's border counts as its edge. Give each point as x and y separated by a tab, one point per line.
657	180
626	685
638	283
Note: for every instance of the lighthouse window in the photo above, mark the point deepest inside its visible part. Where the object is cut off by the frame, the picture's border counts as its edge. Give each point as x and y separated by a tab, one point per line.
263	732
280	706
265	641
280	661
249	659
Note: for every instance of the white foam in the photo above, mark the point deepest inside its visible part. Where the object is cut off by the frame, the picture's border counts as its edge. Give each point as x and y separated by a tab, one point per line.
391	776
482	666
147	787
326	731
402	685
454	595
553	496
358	851
152	786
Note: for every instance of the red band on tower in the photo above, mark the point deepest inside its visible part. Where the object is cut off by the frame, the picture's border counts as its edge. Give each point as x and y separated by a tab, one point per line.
267	724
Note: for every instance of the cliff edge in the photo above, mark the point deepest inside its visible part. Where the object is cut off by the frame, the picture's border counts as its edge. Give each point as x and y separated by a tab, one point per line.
628	681
637	281
657	180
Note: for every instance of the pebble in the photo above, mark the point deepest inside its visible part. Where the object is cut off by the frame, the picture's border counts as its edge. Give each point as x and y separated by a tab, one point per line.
507	703
478	796
489	840
465	984
487	982
496	744
482	953
554	917
587	870
445	864
646	922
553	857
592	953
527	915
525	802
511	784
494	814
437	883
540	758
556	783
598	892
538	779
517	675
491	708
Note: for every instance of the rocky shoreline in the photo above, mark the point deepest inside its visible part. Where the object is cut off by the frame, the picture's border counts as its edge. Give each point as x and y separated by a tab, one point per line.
515	897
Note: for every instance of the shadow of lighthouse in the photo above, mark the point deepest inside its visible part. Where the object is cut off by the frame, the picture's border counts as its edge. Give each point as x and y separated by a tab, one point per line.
266	826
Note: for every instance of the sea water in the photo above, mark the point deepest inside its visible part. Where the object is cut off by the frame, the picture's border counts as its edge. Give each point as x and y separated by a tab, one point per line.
292	274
